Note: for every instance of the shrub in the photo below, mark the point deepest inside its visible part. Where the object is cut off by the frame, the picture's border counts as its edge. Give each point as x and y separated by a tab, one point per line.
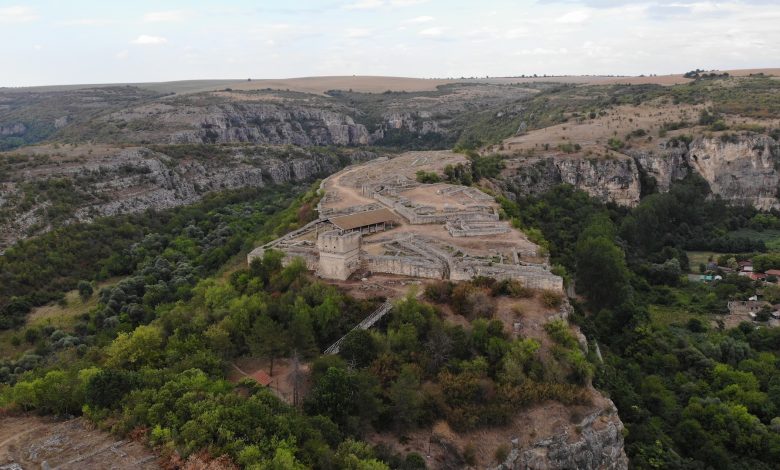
512	288
472	302
551	299
427	177
439	292
85	290
470	454
559	331
615	144
501	453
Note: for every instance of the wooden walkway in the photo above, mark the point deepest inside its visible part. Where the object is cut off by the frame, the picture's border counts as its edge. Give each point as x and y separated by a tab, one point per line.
367	323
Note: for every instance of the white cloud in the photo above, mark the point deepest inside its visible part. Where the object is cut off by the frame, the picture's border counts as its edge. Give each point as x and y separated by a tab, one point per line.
358	32
406	3
431	32
420	19
515	33
121	55
169	16
146	40
364	5
37	47
17	14
374	4
575	16
88	22
543	51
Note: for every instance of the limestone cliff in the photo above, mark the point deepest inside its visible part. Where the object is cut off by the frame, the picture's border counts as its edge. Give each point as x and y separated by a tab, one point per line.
231	122
615	179
739	168
594	443
742	169
123	180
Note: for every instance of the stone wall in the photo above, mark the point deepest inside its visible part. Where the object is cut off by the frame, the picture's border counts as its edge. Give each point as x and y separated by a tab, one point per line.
441	217
405	266
535	277
476	229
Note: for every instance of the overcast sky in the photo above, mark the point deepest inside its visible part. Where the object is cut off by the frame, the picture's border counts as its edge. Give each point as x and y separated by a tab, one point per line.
80	41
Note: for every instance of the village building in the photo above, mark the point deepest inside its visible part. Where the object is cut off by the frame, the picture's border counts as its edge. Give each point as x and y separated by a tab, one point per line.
262	378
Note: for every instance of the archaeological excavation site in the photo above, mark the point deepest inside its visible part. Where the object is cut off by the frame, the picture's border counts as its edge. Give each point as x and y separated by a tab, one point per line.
376	218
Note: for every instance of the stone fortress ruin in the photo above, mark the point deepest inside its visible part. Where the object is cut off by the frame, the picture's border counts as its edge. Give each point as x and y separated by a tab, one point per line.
376	218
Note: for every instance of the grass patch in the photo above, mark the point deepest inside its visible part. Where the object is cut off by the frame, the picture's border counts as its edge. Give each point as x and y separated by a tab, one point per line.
661	315
695	258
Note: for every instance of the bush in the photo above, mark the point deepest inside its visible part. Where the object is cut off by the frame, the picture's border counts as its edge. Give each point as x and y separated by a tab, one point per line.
427	177
501	453
472	302
85	290
512	288
470	454
439	292
615	144
559	331
551	299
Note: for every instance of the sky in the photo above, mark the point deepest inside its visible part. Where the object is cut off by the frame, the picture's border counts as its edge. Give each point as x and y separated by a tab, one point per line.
84	41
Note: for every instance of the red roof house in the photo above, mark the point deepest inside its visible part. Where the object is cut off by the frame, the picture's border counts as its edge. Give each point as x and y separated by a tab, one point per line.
262	378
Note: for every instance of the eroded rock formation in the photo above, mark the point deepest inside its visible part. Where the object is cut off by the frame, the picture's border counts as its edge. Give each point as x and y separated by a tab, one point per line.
738	168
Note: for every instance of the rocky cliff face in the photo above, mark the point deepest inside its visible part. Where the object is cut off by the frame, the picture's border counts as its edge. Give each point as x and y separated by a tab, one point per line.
739	168
231	122
595	443
117	181
13	129
743	169
607	179
418	122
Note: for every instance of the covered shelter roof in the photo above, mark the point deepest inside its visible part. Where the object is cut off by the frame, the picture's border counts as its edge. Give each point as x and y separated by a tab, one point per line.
262	378
363	219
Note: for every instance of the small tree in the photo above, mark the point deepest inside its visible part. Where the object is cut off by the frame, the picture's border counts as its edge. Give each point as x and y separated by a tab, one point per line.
268	339
85	290
359	348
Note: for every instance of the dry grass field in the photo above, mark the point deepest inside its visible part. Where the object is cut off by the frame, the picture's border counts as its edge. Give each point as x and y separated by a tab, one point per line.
593	135
379	84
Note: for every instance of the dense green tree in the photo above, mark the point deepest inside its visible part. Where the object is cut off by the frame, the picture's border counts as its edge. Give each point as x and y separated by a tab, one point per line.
359	348
268	339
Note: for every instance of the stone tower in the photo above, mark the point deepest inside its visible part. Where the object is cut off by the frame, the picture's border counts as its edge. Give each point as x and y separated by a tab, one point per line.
339	254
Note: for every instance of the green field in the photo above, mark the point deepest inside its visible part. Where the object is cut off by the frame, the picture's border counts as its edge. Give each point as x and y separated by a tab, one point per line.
661	315
695	258
770	237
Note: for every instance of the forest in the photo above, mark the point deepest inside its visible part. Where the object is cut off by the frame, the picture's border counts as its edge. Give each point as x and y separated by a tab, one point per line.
691	393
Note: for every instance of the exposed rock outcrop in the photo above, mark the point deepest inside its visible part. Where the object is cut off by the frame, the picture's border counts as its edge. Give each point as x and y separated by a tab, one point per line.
13	129
228	122
614	179
421	122
739	168
134	179
595	443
